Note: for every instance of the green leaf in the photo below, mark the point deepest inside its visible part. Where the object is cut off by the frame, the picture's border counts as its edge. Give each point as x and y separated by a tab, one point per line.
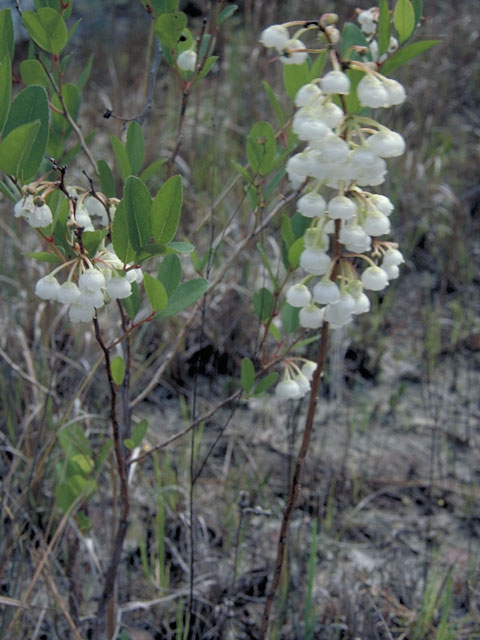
404	19
169	26
265	383
121	157
6	34
135	146
247	374
162	6
286	231
183	296
403	55
180	247
263	303
120	235
30	105
5	89
117	367
80	463
266	264
166	209
351	100
170	273
85	74
290	318
318	66
294	252
138	433
132	304
274	103
92	240
43	256
418	8
150	249
242	171
47	28
32	72
65	8
226	13
211	60
261	147
137	203
384	27
152	169
156	294
294	77
351	36
107	182
15	148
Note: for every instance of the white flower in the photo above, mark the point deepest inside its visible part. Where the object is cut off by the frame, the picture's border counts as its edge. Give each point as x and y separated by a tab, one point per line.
335	82
362	304
325	291
396	92
83	219
90	299
81	312
367	22
382	203
376	224
335	149
96	208
275	36
392	258
92	280
315	261
294	52
355	238
303	383
298	295
331	114
374	279
34	210
308	369
341	208
311	317
47	288
288	389
392	271
307	95
69	292
362	157
119	287
339	313
372	93
311	205
386	144
187	60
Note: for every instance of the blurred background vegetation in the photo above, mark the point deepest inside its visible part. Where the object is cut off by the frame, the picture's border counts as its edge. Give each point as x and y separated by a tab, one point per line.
385	540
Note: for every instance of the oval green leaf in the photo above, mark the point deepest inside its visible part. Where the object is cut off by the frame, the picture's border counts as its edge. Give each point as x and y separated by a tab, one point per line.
404	19
47	28
247	374
166	209
261	147
184	295
117	367
156	294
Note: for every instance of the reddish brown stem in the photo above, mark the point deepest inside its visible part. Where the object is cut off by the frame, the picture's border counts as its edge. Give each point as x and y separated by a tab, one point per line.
295	484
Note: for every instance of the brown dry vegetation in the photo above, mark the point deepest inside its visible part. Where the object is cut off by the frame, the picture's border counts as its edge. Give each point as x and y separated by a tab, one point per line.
391	482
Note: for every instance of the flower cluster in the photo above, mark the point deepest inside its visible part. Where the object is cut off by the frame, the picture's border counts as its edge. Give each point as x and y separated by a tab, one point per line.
90	284
342	160
296	380
368	21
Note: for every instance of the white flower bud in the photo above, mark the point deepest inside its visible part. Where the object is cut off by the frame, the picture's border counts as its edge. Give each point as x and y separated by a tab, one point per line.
79	312
275	36
335	82
392	258
315	261
298	295
341	208
362	304
311	317
293	52
119	287
69	292
92	280
325	292
308	369
374	279
382	203
367	22
307	95
287	390
311	205
187	60
372	93
396	92
47	288
339	313
376	224
386	144
392	271
303	383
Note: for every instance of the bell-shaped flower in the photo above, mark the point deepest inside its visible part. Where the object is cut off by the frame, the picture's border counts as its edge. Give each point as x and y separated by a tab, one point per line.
311	317
47	288
374	278
298	295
